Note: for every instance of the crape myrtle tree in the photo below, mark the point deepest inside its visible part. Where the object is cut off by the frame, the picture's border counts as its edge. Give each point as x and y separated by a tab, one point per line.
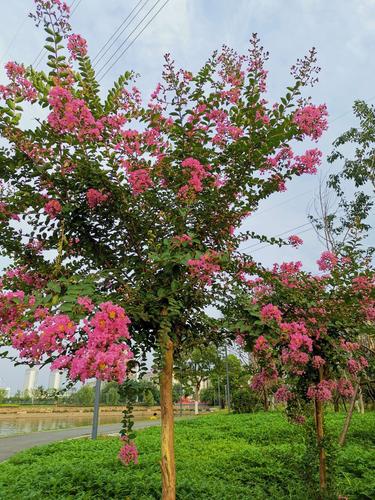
304	330
111	205
342	220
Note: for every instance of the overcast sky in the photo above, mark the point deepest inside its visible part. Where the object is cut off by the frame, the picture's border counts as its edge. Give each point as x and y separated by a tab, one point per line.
341	30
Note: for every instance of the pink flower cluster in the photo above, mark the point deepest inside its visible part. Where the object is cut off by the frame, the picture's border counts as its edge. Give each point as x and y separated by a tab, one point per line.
312	120
52	208
283	395
321	391
318	362
52	336
327	261
86	303
197	172
261	344
71	115
140	181
105	355
77	46
270	312
7	214
240	340
19	86
295	241
95	198
204	267
224	128
357	365
345	388
264	378
128	452
308	162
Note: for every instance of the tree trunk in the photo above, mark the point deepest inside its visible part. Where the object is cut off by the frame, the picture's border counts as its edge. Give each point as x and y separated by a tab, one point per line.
348	418
361	402
319	425
265	400
196	401
167	464
336	404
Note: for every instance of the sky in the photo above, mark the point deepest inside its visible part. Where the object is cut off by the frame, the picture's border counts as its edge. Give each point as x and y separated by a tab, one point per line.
341	30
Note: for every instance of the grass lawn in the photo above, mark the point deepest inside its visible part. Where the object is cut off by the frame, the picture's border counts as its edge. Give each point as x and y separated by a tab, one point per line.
224	457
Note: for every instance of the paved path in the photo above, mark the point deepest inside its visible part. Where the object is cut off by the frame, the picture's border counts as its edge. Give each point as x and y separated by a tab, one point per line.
11	445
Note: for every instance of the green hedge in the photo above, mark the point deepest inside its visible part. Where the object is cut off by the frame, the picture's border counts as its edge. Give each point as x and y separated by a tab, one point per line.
221	456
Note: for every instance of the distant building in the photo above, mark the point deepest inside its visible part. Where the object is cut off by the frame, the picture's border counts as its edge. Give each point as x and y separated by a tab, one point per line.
54	380
29	384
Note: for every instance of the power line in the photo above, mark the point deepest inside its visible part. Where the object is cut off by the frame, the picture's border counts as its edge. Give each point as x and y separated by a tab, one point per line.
96	59
127	38
270	244
349	111
134	39
277	235
282	203
11	43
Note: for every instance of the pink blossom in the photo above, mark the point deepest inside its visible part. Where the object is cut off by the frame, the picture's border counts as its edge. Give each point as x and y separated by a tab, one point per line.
128	453
14	70
321	391
197	173
312	120
77	46
140	181
283	394
95	198
270	312
308	162
204	267
52	208
261	344
295	241
86	303
318	362
263	378
327	261
71	115
345	388
240	340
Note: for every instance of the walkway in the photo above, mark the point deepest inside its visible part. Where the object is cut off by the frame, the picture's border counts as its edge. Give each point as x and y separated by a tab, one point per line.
11	445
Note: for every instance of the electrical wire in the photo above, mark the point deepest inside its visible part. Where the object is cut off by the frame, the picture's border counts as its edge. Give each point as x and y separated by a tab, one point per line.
277	235
99	56
134	39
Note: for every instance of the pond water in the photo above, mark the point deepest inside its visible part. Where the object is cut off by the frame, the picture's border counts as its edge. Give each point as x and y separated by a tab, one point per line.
11	426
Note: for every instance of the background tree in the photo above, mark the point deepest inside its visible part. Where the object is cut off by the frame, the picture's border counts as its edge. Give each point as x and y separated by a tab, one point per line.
304	333
195	367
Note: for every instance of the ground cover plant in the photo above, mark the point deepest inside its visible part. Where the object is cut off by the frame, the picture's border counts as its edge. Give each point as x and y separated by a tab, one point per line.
219	456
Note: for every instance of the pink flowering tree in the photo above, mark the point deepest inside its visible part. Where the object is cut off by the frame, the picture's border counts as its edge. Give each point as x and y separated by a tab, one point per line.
305	331
142	201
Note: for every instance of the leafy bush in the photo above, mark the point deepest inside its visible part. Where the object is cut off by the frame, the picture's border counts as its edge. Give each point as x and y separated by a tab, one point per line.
245	401
220	456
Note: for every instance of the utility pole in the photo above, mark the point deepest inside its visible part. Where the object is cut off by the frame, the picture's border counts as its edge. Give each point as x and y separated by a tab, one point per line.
227	374
218	391
95	420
